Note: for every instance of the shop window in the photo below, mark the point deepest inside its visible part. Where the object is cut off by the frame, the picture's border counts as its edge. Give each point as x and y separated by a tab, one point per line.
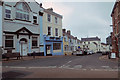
56	46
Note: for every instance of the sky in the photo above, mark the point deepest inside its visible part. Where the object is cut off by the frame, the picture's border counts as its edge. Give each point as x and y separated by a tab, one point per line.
85	19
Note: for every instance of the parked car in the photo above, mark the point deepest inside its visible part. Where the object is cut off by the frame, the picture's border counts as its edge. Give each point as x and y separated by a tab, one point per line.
79	53
89	52
99	51
105	53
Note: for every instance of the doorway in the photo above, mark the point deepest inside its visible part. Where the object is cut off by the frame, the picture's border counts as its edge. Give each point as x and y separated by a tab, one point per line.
23	47
48	50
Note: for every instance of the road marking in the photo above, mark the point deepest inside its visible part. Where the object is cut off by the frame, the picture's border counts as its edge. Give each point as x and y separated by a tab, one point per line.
69	61
78	66
105	66
17	67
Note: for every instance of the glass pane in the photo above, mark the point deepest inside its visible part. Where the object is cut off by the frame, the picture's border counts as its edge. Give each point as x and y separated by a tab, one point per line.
8	16
7	11
8	43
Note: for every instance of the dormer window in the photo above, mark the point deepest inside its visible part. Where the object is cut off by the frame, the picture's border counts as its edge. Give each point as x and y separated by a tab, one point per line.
7	12
22	11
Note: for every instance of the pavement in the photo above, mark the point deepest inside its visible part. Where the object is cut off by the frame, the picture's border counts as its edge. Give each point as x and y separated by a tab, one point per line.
105	57
24	58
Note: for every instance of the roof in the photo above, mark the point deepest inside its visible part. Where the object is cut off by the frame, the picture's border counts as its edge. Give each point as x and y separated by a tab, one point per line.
104	44
114	7
53	13
90	39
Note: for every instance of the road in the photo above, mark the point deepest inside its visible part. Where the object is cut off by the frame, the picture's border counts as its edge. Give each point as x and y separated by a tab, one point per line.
89	66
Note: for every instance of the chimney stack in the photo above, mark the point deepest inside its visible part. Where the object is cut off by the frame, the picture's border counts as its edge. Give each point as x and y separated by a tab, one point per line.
68	32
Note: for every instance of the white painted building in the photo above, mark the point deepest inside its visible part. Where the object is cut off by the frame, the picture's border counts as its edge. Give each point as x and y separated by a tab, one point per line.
105	47
91	43
21	26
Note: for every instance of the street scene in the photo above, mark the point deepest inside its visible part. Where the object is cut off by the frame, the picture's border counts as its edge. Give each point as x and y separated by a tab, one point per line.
89	66
65	39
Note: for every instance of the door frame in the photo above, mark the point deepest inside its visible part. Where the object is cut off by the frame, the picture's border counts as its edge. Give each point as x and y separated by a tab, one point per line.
50	49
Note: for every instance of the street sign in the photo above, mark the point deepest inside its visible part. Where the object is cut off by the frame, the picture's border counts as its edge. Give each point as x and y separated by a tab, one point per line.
113	55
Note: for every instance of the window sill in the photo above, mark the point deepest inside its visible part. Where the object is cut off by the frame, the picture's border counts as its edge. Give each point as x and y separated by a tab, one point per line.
22	20
35	24
8	48
34	47
8	19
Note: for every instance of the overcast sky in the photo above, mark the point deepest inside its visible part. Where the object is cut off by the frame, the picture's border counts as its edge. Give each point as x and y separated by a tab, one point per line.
85	19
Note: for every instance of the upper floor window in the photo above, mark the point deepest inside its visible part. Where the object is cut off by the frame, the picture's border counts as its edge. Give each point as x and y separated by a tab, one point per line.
8	12
56	32
56	20
35	18
49	18
22	11
9	41
49	30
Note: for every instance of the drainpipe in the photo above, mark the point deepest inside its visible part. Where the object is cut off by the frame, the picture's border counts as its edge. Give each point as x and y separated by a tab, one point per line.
41	40
1	30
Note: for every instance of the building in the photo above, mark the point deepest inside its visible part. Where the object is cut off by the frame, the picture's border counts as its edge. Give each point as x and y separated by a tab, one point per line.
109	40
21	26
91	44
66	49
105	47
51	39
116	28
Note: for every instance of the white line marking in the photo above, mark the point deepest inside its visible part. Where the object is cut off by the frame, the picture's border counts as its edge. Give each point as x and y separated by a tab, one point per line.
69	61
16	67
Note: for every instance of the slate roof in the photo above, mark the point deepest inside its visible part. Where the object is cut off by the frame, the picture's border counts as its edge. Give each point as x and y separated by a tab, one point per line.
90	39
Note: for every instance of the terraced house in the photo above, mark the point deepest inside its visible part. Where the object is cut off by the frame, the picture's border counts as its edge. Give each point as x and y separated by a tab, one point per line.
51	39
21	26
116	28
70	43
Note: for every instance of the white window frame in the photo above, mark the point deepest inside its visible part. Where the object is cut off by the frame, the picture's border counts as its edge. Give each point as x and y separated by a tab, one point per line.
35	19
49	17
8	8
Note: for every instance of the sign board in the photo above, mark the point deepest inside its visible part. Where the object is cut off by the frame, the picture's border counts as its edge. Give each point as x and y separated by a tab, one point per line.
113	55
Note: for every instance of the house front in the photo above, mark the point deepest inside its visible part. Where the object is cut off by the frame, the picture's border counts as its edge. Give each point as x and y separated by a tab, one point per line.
91	44
51	40
21	27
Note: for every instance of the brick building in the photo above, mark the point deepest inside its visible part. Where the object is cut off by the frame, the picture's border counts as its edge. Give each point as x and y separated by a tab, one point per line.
116	28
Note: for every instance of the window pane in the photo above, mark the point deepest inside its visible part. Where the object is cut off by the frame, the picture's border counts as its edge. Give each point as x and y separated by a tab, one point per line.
7	11
8	37
8	43
56	46
49	30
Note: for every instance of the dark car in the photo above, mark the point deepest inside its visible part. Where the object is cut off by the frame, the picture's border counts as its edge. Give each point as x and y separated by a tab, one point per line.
105	53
